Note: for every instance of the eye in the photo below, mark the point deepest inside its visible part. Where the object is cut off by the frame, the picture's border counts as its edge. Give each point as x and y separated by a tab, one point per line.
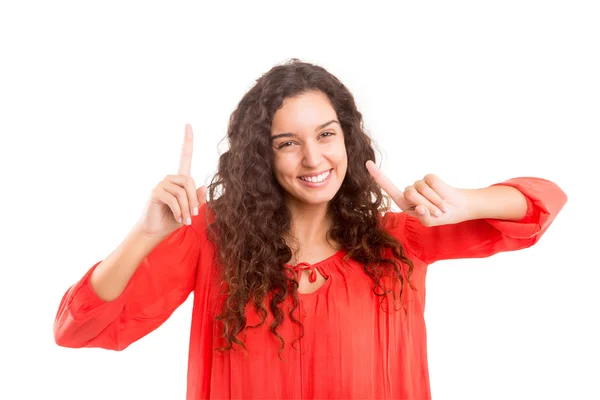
284	144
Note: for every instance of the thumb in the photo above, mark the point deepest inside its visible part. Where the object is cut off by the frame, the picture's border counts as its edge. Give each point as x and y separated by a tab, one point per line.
201	194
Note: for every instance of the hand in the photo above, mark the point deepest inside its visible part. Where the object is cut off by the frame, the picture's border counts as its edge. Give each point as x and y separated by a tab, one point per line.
430	199
175	199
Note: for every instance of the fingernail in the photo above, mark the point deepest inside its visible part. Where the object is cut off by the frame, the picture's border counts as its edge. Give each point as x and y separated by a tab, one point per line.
188	221
195	211
437	213
445	208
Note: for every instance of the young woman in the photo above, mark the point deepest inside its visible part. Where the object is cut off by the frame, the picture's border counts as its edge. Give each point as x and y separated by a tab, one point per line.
305	284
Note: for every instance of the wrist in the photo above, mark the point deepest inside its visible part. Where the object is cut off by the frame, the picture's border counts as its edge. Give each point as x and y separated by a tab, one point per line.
138	236
473	204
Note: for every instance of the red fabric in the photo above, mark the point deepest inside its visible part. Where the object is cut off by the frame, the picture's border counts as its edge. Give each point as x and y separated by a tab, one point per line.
352	348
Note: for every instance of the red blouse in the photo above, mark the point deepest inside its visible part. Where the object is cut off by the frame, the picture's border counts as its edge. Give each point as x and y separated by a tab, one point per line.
352	347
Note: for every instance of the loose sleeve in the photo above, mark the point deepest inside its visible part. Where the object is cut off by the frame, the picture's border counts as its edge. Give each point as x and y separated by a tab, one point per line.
161	283
483	237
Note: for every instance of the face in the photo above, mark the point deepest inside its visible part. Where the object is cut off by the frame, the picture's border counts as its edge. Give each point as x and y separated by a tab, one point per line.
309	151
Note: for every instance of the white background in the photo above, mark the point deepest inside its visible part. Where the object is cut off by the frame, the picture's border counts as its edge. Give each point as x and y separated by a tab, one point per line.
94	99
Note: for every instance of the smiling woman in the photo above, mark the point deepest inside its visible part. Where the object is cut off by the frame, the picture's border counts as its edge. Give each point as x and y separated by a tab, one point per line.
299	262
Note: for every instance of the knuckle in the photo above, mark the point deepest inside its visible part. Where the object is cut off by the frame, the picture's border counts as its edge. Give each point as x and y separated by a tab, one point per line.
181	193
413	198
430	178
420	185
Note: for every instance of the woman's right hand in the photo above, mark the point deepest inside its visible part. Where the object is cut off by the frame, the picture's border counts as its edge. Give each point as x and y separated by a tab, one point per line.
175	199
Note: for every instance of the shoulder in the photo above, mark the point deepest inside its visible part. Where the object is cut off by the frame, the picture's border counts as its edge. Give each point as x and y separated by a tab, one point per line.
394	222
405	229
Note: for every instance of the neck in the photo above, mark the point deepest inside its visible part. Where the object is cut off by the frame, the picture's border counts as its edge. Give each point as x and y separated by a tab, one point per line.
310	224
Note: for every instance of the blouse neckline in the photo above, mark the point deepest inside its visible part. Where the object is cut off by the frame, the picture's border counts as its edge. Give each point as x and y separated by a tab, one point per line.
338	254
324	268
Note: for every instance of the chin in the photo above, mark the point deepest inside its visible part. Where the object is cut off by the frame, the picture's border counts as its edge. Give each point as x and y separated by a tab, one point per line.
305	196
315	201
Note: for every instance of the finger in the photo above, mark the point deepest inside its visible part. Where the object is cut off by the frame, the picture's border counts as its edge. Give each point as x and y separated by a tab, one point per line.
185	161
201	194
422	210
439	186
189	185
422	205
384	182
424	189
182	198
162	195
425	217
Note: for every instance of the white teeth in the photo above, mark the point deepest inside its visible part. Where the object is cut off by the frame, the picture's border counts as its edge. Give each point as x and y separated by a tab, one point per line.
318	178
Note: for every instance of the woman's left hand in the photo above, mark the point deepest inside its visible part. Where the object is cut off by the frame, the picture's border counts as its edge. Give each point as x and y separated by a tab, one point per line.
430	199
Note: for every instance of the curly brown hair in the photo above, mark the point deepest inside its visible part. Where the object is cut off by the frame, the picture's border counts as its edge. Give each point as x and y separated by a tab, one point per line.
251	218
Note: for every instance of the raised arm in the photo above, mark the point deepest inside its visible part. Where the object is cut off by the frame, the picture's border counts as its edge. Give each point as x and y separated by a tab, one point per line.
153	271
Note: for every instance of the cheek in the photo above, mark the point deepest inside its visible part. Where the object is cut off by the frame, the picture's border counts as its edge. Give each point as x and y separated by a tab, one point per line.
343	158
282	168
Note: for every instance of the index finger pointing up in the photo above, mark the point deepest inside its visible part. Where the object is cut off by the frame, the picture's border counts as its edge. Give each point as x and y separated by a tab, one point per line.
185	162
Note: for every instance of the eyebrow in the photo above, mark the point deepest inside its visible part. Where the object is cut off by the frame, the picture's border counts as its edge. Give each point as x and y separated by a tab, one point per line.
289	134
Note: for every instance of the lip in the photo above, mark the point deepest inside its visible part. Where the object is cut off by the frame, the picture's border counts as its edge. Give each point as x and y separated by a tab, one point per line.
317	184
315	174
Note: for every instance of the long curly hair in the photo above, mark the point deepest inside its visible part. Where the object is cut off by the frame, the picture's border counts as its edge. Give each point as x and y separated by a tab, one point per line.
251	218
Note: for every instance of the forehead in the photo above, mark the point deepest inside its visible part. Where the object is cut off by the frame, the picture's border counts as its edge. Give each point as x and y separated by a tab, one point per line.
303	113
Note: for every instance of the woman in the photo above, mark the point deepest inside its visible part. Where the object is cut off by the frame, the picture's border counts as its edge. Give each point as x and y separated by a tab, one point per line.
305	284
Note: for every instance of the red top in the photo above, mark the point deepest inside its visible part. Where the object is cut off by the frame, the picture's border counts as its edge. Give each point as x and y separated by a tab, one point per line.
351	348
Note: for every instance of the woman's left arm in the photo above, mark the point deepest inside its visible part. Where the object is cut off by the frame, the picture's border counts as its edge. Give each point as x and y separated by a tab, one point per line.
505	216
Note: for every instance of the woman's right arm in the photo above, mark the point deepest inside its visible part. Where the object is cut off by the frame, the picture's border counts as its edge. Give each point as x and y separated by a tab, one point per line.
110	277
131	292
151	273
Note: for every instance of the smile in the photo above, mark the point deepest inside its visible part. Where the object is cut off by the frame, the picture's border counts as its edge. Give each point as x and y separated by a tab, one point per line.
316	181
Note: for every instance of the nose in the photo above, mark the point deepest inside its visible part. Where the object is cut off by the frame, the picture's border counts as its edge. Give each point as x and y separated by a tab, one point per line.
312	155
